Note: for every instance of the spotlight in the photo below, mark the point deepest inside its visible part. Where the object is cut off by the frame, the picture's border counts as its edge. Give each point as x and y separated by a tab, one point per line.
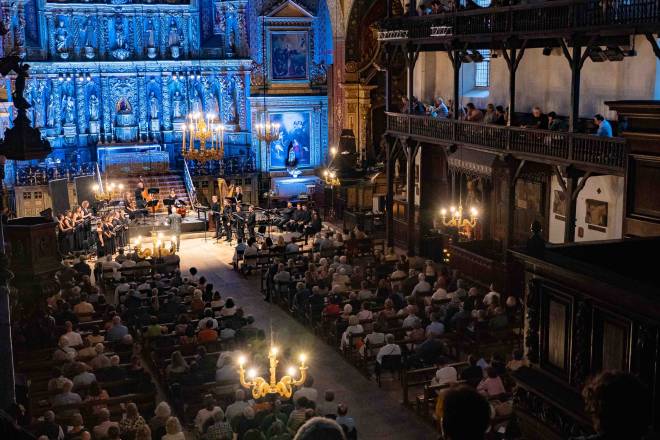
89	78
597	55
68	78
60	78
614	54
547	51
174	77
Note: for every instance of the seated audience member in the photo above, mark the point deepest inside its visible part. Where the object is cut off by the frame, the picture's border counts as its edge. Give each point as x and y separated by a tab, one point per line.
344	420
491	385
489	116
473	113
131	421
320	428
220	429
84	309
117	331
473	374
100	431
436	328
225	369
466	414
205	414
327	408
389	349
604	127
619	406
246	422
49	428
500	116
208	334
177	367
173	430
158	421
354	328
307	390
73	338
66	396
101	360
236	409
538	120
518	361
63	352
446	374
554	123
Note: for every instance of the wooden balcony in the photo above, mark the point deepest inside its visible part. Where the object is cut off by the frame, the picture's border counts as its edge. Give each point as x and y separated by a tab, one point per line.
540	20
592	153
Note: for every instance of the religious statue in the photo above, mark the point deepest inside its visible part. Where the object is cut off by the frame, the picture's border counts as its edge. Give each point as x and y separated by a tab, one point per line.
291	161
177	104
38	106
87	32
121	51
195	101
68	106
232	117
123	107
174	40
61	37
93	107
231	43
153	105
50	113
151	39
215	106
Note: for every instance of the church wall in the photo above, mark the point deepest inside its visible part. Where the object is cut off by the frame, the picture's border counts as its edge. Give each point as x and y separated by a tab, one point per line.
607	189
544	81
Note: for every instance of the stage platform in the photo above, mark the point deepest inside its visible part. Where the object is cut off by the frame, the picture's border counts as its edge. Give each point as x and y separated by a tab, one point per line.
159	224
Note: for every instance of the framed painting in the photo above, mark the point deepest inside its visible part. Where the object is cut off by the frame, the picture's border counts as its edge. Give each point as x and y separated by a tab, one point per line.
294	133
289	56
596	213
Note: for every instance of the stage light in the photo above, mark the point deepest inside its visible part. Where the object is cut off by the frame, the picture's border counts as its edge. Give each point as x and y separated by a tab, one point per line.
597	55
89	77
68	78
174	76
60	78
333	151
614	54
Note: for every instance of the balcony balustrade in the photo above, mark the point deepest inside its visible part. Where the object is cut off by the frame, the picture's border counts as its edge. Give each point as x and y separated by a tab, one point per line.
543	19
601	154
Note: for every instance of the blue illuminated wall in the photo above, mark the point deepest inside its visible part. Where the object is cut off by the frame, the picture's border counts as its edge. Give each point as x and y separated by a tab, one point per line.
121	72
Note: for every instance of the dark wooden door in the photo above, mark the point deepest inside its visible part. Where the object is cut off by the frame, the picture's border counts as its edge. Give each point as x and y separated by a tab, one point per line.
530	205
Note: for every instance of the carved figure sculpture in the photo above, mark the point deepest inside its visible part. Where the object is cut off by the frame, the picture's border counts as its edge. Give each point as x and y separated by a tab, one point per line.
61	40
68	106
177	105
50	113
93	107
121	51
87	33
174	40
151	39
154	106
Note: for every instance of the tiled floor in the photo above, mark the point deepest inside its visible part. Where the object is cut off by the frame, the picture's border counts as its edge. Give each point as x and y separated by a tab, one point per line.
378	412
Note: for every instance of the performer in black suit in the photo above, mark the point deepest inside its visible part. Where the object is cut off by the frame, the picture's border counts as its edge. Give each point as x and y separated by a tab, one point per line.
285	216
239	218
227	213
216	217
314	226
238	195
292	225
305	217
139	198
251	221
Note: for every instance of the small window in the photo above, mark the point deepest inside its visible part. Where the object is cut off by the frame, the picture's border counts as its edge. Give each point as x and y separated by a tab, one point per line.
482	70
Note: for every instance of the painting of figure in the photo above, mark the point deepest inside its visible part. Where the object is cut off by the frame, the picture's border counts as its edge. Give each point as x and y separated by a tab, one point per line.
596	213
294	130
289	56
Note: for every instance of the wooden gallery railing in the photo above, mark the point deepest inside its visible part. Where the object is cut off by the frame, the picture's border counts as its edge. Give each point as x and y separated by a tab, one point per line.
598	153
536	18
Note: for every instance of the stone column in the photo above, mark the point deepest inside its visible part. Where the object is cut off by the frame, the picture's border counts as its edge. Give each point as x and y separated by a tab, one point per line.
19	37
51	36
356	114
167	107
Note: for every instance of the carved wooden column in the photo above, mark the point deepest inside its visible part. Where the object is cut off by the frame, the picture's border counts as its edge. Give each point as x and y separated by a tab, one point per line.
357	113
7	384
389	195
455	58
576	61
411	149
512	58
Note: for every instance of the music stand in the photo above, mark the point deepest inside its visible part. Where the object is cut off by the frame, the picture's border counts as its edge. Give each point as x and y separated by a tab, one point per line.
152	204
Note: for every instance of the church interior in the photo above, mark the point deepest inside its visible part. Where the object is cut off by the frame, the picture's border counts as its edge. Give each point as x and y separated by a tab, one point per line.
329	219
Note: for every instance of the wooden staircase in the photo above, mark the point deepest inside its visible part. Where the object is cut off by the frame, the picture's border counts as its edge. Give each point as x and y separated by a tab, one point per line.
164	182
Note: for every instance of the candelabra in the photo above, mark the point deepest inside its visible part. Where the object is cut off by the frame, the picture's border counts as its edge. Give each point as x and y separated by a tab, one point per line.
268	132
260	387
330	173
456	219
202	128
158	247
114	190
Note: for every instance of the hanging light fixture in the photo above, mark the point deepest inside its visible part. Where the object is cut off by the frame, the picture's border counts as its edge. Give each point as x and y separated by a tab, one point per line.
261	387
203	137
265	131
456	219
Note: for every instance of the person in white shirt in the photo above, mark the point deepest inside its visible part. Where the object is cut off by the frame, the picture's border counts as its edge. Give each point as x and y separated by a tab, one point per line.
411	319
374	338
422	286
439	295
488	299
204	414
64	352
110	264
389	349
73	338
128	263
343	264
208	316
226	371
307	390
354	327
445	375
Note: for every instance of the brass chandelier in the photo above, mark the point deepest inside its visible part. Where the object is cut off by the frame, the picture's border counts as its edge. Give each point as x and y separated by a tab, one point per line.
456	219
267	132
203	137
261	387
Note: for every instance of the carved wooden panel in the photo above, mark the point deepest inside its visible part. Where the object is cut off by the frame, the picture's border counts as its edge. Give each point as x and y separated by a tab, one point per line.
611	342
556	327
